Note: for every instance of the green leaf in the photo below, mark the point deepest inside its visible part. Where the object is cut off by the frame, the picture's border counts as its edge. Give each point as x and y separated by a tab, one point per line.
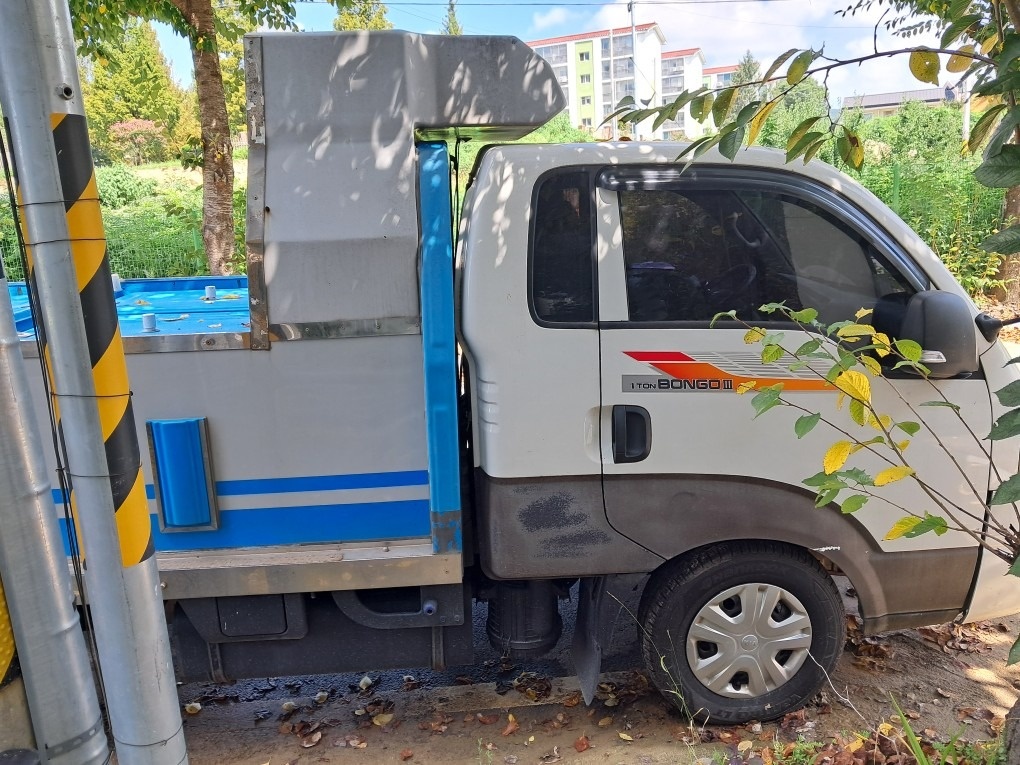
1014	653
766	398
1002	170
1009	53
934	523
851	149
801	130
1003	133
799	66
723	315
858	475
823	480
908	349
1014	360
770	354
802	145
722	105
1006	426
1008	491
1006	242
806	424
948	404
853	503
1010	395
957	28
744	115
814	148
730	143
925	65
780	60
825	497
813	345
804	316
908	427
984	126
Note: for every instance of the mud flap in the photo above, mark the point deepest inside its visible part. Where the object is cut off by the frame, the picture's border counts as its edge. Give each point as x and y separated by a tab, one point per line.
599	603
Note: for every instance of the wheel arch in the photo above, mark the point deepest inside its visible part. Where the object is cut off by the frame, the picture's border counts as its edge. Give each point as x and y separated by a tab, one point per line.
895	589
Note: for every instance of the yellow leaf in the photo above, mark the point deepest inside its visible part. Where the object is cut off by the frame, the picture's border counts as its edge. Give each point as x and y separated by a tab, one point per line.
758	121
882	341
836	457
840	398
893	474
855	384
854	745
855	330
902	445
871	364
990	43
382	719
862	312
885	729
626	737
925	65
958	62
744	387
881	422
754	335
901	527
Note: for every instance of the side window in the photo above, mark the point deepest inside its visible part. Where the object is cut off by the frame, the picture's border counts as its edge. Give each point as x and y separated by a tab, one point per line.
690	254
561	250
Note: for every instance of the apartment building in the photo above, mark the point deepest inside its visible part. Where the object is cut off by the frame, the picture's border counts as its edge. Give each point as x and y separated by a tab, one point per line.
714	77
598	69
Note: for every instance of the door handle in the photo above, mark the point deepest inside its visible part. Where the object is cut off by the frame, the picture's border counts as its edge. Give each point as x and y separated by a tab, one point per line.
632	433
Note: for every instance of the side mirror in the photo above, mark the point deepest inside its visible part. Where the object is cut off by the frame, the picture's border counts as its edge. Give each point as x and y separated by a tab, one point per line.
943	325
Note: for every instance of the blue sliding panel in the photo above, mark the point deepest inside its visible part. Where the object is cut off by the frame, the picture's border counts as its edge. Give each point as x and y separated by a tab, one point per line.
440	348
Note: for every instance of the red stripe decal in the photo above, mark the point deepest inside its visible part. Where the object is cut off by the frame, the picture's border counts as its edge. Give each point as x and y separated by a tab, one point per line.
653	356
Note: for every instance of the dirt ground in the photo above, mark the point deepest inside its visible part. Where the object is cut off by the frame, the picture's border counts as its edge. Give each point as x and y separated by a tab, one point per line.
950	681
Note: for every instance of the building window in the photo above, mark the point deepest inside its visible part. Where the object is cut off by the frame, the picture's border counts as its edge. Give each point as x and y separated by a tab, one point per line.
585	79
672	66
673	84
584	55
554	54
623	67
586	122
585	100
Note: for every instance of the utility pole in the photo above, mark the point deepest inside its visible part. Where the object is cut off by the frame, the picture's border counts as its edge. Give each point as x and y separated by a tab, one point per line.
70	273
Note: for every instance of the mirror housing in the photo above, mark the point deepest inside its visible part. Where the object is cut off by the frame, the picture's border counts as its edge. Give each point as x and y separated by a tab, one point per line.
943	324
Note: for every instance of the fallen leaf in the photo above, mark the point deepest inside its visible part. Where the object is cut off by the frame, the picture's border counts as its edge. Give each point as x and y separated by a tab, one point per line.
288	706
605	722
382	719
625	736
573	699
486	719
512	726
582	744
311	740
321	697
743	746
365	683
553	756
406	755
193	708
286	728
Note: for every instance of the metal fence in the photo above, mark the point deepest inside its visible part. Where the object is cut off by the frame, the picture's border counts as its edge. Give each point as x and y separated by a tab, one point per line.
139	244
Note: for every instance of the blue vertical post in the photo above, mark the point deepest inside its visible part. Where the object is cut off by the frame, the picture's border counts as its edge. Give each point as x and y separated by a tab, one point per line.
440	346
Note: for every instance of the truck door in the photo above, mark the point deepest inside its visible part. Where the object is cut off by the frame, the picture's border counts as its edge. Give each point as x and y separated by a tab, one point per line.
683	457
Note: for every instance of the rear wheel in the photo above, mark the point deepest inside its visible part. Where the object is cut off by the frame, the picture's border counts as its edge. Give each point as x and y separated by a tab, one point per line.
743	631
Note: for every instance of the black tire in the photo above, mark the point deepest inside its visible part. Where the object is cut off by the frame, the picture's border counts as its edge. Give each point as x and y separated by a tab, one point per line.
808	616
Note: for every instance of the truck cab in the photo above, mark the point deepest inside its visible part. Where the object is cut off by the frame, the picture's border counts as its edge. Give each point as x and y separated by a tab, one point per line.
415	414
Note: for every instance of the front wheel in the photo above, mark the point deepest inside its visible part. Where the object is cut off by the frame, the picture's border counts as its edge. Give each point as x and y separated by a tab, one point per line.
743	631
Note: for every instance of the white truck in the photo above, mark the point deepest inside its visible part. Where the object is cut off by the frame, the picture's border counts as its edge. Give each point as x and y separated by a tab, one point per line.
390	433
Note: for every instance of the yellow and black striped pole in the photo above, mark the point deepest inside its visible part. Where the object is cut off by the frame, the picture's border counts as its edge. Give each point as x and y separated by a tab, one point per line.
85	362
102	332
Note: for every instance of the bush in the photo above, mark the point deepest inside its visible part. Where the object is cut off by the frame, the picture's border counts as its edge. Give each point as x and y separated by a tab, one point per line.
120	186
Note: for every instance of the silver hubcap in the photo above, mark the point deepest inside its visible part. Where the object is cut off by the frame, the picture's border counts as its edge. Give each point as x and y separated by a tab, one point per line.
748	640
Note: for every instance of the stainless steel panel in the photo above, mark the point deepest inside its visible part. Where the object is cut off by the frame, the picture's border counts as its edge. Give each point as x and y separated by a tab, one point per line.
328	330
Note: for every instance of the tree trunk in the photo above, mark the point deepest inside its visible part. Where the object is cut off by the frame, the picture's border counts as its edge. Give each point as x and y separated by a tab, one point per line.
1009	271
217	152
1011	736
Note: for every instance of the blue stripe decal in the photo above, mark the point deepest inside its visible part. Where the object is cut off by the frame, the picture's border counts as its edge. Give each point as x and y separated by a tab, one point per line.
312	524
439	344
321	483
303	483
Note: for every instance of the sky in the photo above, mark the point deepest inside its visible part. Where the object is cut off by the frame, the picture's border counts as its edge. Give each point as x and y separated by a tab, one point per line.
723	29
